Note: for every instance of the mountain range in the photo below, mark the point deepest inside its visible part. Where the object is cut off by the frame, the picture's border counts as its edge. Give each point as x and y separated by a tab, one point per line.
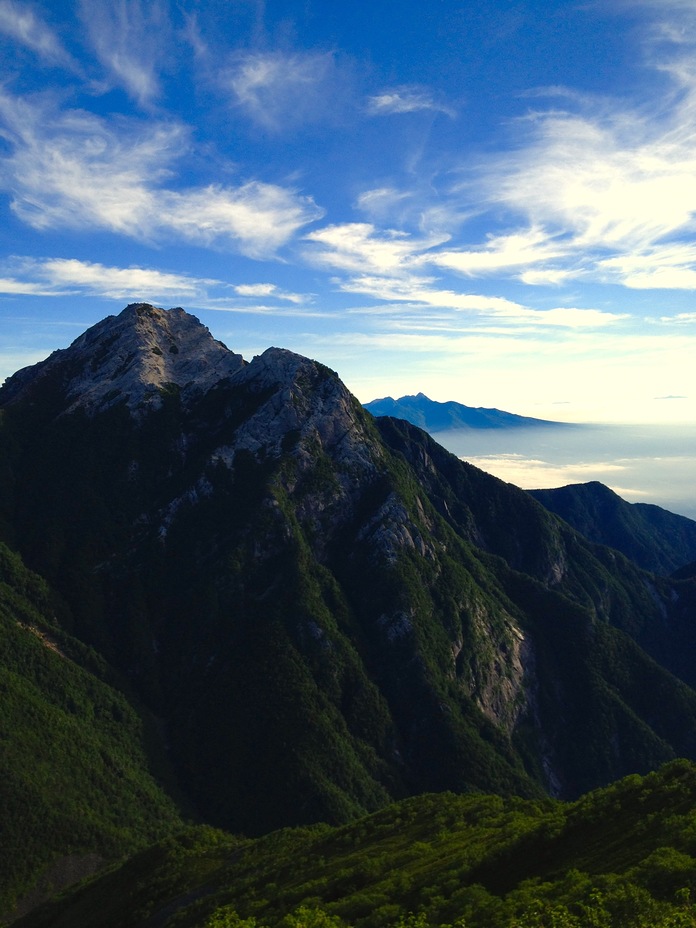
434	416
651	536
230	594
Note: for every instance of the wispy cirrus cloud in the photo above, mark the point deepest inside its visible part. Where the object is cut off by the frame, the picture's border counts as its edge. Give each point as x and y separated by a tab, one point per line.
392	267
280	91
383	202
266	290
21	22
416	207
120	282
547	277
129	38
601	189
406	99
613	182
59	276
593	189
10	286
75	170
257	217
668	267
503	252
424	293
361	247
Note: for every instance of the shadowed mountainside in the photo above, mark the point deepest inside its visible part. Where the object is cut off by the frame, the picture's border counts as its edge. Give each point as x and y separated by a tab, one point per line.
80	783
654	538
326	612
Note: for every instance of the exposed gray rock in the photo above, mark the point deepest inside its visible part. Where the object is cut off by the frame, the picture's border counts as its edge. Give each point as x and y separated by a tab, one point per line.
135	358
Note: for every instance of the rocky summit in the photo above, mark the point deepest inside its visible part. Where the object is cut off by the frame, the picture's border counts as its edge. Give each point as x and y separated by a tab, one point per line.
314	611
131	358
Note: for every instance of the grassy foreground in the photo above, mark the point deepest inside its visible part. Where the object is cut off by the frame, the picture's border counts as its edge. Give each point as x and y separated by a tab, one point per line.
620	857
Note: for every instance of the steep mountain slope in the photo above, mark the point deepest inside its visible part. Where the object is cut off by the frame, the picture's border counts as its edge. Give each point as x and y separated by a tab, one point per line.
622	857
654	538
438	417
77	788
328	612
499	518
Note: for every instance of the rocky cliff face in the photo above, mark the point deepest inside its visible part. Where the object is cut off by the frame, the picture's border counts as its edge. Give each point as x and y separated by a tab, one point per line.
324	609
130	358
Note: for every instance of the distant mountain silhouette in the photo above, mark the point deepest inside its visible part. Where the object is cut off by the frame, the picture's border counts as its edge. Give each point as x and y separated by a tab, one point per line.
439	417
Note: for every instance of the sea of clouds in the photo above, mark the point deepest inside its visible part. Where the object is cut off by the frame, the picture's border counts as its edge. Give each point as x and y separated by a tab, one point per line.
643	464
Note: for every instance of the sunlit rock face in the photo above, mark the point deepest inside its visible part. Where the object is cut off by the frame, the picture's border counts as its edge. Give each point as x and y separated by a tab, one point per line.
132	358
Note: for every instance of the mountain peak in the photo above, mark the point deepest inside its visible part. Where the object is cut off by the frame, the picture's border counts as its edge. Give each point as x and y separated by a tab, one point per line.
130	357
434	416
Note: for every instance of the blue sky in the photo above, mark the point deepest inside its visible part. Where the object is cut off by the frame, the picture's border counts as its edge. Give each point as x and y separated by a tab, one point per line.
492	203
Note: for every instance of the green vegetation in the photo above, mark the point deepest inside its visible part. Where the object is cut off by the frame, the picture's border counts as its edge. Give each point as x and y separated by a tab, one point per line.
655	539
620	857
75	775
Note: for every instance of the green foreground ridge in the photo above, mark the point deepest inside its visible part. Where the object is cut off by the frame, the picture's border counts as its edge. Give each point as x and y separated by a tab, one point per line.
624	855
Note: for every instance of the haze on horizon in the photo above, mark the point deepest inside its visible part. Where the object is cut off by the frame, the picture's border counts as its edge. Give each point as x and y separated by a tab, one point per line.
492	204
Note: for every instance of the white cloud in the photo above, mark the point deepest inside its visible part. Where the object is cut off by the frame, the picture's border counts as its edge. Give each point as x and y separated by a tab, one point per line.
414	208
414	291
129	38
59	276
255	289
417	290
608	183
246	308
360	247
259	217
10	286
74	170
260	290
599	188
594	189
382	201
20	22
543	277
117	282
388	266
574	317
280	91
50	277
669	267
405	100
534	473
502	252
